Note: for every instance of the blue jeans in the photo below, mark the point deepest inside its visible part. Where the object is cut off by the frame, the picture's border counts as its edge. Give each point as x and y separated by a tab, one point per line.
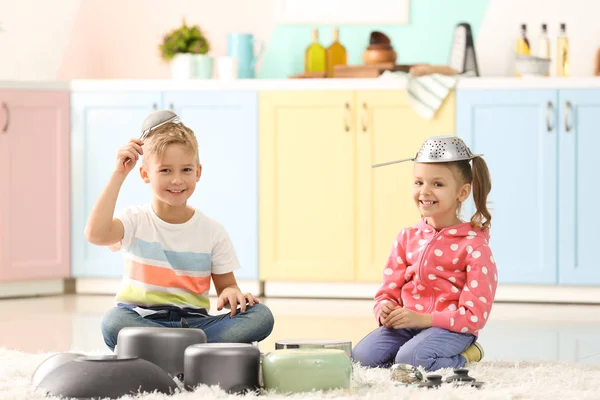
253	325
431	348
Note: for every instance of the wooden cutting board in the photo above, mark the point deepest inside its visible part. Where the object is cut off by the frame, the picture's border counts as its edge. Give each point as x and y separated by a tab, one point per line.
356	71
366	71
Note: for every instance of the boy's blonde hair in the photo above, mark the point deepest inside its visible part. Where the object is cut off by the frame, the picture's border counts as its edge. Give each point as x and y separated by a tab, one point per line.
159	139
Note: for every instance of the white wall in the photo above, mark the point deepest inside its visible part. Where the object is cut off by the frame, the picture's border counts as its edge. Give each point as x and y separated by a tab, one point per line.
102	39
34	38
496	41
69	39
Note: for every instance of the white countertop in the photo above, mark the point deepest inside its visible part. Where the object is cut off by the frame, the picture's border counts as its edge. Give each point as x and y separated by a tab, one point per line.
491	83
240	84
330	84
529	83
35	85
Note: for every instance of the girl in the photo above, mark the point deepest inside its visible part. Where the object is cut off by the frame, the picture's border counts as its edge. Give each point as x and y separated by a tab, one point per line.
440	278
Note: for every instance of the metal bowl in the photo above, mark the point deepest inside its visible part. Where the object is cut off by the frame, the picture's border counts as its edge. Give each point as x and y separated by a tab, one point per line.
106	377
532	66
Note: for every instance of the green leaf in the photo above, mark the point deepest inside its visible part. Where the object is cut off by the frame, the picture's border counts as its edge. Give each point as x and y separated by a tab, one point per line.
185	39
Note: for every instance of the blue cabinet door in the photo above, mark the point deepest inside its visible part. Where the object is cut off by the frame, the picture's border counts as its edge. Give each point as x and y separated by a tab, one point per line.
516	132
578	220
100	123
226	126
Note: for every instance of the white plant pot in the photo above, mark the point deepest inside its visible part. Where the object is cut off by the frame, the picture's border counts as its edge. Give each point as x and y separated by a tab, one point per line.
192	66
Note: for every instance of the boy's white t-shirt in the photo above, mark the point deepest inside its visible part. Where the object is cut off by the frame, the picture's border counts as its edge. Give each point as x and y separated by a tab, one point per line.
170	265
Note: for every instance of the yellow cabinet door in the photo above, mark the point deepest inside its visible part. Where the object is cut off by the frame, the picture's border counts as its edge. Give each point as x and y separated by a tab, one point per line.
307	186
388	129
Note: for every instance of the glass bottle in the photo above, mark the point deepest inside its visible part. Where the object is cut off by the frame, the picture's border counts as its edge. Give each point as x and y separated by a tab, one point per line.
523	46
314	56
562	53
335	54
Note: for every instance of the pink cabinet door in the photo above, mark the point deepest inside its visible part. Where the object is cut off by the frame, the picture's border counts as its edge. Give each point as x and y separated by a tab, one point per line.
34	185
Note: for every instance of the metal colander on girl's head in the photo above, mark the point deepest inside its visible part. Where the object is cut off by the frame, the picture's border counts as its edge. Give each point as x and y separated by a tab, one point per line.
443	149
439	149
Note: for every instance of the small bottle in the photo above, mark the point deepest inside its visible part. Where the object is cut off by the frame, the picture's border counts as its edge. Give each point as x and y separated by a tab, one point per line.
562	52
543	50
314	56
523	46
335	54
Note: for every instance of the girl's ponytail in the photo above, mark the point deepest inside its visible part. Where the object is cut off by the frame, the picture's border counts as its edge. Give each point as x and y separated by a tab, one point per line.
482	185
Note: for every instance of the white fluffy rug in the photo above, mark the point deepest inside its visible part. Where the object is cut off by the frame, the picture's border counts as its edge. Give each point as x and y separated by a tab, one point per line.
503	380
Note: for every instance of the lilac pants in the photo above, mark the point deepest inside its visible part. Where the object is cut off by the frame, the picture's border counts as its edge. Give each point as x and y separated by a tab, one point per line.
431	348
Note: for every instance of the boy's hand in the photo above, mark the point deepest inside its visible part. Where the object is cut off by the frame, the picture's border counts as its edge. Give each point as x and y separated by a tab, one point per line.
233	296
132	151
385	310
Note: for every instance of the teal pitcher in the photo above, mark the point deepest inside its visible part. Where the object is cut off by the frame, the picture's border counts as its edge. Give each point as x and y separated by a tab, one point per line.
242	47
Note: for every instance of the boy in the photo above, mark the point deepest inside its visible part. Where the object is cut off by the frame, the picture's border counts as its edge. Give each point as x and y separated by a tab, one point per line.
171	250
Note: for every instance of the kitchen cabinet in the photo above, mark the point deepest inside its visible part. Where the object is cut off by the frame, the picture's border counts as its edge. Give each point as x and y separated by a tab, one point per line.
540	146
388	129
226	127
578	144
101	123
307	185
34	177
516	132
325	214
225	124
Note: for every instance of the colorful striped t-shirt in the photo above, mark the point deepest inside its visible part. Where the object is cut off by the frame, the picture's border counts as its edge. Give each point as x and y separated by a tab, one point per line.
171	264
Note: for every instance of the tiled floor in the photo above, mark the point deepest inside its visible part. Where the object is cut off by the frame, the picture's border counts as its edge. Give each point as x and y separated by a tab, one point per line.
514	331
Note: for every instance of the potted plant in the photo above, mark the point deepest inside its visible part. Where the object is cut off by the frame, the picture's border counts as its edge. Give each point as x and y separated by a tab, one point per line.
185	48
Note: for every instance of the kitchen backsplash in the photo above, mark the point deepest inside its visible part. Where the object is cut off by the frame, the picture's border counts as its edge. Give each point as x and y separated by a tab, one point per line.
426	38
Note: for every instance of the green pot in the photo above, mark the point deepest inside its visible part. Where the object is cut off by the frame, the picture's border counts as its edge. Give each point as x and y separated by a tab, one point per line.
305	370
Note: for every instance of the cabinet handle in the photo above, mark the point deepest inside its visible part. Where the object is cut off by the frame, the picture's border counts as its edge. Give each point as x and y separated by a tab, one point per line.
5	107
347	118
568	109
365	117
154	106
549	116
171	107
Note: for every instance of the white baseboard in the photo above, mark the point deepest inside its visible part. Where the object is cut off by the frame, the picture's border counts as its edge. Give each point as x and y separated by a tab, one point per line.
32	288
97	286
343	290
505	293
111	286
548	294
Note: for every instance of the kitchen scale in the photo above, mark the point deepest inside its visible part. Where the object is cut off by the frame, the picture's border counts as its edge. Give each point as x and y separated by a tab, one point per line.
462	53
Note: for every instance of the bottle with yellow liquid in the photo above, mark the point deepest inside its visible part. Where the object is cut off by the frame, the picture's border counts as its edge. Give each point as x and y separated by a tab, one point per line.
523	46
314	56
335	53
562	52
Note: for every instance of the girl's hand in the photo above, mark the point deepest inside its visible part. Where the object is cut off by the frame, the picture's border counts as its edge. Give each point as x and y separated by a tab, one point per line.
405	318
385	310
132	151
